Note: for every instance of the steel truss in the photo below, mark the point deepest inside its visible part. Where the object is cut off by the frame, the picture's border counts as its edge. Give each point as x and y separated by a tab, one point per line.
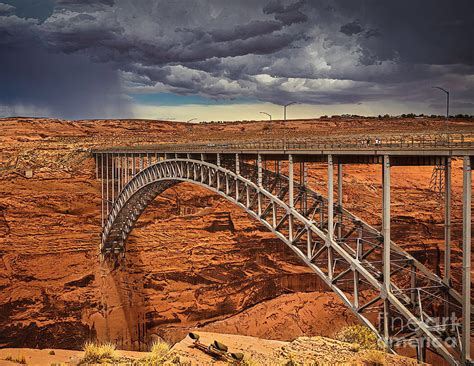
386	288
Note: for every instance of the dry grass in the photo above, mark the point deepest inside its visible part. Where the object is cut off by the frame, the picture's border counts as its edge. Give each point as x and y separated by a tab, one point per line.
98	353
159	355
18	359
245	362
358	334
374	358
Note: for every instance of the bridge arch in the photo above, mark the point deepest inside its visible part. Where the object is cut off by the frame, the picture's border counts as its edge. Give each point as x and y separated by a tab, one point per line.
335	259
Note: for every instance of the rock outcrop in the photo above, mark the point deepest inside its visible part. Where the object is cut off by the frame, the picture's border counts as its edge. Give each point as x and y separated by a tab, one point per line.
194	260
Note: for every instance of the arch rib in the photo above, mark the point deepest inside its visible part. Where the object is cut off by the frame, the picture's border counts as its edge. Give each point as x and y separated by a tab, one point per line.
308	238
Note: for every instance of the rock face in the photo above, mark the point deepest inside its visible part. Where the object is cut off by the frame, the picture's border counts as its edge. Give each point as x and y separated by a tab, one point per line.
194	259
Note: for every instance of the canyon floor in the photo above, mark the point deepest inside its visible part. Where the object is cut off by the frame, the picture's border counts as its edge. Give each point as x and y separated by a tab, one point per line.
194	261
262	352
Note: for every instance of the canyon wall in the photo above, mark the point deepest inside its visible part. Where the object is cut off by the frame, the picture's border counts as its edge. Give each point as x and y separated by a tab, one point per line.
194	259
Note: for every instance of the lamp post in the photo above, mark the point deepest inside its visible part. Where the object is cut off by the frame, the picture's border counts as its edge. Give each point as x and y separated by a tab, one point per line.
284	109
447	105
190	120
268	114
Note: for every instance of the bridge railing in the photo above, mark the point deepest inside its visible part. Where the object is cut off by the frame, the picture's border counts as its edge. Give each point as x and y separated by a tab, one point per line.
369	143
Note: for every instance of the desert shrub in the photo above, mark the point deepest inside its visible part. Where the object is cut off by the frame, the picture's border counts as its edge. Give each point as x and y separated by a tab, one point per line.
98	353
159	351
51	353
374	358
18	359
159	355
361	335
354	347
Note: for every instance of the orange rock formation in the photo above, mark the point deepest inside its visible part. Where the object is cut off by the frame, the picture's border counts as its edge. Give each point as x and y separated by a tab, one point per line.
194	259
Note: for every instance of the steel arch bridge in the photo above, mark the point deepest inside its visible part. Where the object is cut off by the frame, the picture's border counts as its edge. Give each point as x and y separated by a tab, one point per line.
386	288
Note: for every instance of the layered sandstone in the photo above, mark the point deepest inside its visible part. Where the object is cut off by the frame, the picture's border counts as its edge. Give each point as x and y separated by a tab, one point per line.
194	260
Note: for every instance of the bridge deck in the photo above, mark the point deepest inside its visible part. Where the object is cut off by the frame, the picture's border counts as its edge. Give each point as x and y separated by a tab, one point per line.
367	148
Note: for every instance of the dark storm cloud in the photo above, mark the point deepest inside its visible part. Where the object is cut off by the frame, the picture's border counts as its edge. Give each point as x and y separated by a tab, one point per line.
288	14
351	28
325	52
36	81
6	9
252	29
85	2
423	31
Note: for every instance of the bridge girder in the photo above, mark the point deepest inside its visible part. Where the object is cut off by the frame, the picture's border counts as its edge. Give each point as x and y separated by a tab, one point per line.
354	249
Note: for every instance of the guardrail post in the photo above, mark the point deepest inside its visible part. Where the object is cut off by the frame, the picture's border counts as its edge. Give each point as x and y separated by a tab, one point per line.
466	261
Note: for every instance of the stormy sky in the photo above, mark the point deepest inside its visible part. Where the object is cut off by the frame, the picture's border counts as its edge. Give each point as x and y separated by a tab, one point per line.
229	59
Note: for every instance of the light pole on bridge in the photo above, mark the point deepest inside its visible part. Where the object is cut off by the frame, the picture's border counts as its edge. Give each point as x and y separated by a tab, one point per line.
447	105
284	109
268	114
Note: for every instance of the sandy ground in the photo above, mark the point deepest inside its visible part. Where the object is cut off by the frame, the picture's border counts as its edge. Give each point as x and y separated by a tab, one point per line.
42	357
265	352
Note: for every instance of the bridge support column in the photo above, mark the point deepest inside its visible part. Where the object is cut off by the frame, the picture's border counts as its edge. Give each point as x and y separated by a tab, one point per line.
259	182
330	232
119	173
107	200
134	170
386	244
237	171
305	182
466	261
359	252
101	189
339	199
126	169
202	168
447	222
291	195
113	181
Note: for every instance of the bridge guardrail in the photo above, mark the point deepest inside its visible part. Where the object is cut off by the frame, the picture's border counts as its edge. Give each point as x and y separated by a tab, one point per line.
369	143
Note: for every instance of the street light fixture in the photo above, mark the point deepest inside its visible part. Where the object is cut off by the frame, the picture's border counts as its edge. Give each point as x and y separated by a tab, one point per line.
284	109
268	114
447	104
190	120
